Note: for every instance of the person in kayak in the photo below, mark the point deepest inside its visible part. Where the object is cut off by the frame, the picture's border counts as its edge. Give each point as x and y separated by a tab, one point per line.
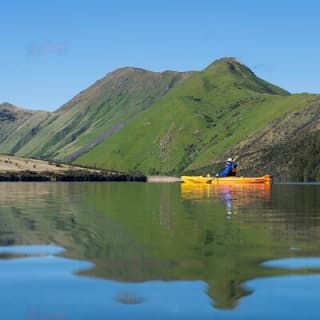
230	169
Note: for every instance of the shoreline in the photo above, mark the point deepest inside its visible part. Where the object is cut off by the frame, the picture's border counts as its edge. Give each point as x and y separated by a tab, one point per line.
163	179
15	169
67	176
80	176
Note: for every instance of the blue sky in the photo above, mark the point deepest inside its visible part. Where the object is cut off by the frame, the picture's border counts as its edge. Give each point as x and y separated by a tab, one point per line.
53	49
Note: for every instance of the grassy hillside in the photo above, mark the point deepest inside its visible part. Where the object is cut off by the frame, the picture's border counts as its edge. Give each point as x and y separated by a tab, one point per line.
96	113
198	122
18	126
289	147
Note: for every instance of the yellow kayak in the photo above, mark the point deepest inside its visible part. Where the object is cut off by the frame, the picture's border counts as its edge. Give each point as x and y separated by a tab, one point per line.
267	179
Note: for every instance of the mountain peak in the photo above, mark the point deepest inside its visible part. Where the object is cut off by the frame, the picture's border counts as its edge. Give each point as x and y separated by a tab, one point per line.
229	64
126	80
232	60
7	105
232	73
127	70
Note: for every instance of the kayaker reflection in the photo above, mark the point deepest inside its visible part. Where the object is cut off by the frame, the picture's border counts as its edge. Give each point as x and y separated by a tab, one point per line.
230	170
225	193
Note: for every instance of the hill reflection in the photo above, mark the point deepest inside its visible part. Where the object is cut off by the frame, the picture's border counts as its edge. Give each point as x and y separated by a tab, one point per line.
140	232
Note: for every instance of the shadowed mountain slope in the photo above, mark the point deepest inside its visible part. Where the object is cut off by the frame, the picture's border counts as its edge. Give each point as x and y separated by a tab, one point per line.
289	147
18	126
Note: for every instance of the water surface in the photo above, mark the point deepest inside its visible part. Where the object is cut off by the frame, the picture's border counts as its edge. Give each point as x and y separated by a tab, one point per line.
166	251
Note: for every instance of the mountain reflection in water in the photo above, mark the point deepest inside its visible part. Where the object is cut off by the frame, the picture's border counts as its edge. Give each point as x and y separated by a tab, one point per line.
42	286
167	247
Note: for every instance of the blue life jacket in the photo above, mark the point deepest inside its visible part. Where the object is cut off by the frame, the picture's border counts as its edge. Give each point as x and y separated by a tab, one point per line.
229	171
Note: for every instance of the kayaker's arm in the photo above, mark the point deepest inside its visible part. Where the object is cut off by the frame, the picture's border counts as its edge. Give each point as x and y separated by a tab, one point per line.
226	171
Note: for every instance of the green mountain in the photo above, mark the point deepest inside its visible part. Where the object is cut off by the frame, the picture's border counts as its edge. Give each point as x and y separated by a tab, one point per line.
175	122
93	115
18	126
201	121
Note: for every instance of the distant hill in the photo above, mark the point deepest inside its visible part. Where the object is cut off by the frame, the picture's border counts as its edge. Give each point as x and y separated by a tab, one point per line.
18	126
175	122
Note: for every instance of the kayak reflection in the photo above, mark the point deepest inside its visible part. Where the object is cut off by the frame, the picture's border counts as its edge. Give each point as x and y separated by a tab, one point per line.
233	196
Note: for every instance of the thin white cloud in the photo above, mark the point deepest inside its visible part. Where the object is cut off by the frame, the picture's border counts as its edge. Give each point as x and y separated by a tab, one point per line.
45	48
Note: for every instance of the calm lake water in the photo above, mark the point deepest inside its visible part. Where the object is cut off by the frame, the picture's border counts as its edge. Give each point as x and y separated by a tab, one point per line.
159	251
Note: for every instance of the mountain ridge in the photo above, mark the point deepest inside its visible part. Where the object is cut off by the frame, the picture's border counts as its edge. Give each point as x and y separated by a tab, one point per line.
103	107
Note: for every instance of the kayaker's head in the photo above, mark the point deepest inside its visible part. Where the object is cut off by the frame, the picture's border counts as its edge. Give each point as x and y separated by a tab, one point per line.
229	160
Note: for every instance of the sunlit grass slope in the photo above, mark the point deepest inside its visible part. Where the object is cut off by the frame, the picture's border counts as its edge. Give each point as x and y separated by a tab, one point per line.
98	112
197	122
